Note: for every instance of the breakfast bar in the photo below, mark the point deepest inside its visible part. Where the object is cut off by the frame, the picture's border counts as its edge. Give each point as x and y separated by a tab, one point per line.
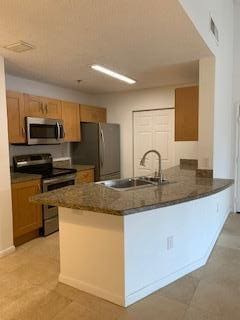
124	245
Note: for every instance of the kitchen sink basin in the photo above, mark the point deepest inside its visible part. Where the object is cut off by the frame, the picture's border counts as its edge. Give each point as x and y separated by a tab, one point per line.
154	180
126	184
133	183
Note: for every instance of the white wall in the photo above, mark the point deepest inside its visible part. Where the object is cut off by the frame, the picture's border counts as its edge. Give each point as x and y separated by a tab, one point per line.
205	118
119	110
236	57
6	234
47	90
236	91
224	115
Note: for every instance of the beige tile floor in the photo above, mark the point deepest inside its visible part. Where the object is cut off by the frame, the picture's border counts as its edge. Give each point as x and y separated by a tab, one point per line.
29	288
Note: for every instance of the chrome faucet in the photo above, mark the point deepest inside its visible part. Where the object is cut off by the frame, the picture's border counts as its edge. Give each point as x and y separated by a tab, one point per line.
142	162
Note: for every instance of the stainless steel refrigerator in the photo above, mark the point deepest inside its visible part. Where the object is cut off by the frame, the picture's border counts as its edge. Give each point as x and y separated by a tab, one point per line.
100	146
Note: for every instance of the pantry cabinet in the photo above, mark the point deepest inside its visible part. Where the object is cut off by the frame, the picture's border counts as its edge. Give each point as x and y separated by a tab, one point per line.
71	121
27	216
92	114
15	113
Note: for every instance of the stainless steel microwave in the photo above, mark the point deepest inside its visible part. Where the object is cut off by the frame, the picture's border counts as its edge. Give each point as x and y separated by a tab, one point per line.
44	131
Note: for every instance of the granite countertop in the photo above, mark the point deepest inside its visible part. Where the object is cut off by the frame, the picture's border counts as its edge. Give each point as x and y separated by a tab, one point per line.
17	177
184	186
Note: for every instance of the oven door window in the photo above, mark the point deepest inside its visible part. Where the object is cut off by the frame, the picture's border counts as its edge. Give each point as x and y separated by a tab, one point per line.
43	131
59	185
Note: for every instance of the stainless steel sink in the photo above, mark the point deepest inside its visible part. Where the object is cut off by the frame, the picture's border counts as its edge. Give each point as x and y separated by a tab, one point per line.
133	183
126	184
154	180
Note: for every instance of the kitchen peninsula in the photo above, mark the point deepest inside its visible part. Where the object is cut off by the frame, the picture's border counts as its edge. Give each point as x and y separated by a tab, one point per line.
124	245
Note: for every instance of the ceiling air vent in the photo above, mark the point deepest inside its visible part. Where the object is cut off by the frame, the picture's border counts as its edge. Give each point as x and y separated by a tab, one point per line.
214	29
19	46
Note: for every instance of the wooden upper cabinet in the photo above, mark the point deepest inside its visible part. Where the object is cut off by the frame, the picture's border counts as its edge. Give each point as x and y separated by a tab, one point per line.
52	108
34	106
93	114
16	122
27	216
41	107
71	120
186	114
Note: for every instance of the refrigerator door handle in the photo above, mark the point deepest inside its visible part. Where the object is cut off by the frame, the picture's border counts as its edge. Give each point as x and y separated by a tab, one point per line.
103	147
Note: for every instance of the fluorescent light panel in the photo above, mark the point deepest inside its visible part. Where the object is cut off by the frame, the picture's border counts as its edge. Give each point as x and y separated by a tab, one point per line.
113	74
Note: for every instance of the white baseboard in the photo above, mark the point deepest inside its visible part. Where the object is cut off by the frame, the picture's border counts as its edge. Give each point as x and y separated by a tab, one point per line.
87	287
7	251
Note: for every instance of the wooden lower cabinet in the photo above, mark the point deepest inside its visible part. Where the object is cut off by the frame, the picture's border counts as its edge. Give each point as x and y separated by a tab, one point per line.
27	216
85	176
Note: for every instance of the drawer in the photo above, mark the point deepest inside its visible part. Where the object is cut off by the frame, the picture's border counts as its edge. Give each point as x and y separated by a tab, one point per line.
85	176
51	225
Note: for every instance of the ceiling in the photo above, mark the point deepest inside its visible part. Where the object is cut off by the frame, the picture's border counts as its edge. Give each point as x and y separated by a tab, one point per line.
151	41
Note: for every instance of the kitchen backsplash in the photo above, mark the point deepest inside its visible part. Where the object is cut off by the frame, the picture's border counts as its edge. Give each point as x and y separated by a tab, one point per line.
57	151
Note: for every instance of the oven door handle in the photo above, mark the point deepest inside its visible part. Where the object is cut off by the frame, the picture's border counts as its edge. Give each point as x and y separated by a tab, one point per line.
56	180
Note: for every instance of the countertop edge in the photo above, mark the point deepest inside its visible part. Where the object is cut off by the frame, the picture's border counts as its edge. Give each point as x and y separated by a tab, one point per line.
177	201
122	213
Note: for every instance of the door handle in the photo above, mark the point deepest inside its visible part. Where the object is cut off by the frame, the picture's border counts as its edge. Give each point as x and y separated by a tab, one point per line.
103	146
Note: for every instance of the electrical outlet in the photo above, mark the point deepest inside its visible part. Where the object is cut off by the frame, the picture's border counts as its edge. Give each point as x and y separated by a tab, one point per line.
169	242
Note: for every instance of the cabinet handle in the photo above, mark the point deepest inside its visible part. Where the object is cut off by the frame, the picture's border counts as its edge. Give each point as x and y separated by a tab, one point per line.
46	108
41	107
39	188
23	132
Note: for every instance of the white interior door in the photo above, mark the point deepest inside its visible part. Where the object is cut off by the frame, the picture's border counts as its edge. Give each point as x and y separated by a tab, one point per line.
153	129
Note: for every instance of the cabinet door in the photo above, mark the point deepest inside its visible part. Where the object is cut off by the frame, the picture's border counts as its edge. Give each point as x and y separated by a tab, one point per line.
52	108
71	120
27	216
92	114
186	114
34	106
15	112
85	176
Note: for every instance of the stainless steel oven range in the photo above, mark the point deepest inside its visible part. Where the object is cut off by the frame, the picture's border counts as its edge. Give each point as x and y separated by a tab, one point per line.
52	178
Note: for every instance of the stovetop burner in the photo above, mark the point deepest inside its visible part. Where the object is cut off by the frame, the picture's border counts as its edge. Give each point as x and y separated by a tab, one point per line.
39	164
54	172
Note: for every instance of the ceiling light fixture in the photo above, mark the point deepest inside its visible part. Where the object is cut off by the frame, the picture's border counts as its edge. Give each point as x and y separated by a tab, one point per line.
113	74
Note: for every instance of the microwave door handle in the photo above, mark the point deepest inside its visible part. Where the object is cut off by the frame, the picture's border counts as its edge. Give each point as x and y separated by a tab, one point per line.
58	131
